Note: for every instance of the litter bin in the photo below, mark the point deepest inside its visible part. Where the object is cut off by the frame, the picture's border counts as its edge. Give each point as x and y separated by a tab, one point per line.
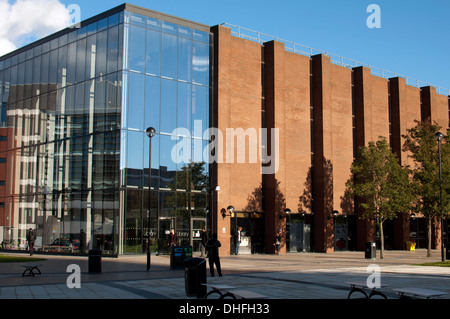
95	261
195	276
371	250
178	254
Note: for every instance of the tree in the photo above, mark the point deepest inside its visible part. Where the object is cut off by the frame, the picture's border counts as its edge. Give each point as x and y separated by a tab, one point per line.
382	184
422	146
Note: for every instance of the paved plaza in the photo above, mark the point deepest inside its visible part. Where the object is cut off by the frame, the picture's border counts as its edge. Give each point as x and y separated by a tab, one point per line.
291	276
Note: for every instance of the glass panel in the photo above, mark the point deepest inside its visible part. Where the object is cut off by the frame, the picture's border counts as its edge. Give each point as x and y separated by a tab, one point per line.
169	28
135	156
168	106
152	102
99	105
200	64
184	106
91	46
102	24
62	66
53	70
155	160
36	75
124	110
113	49
185	32
133	222
136	101
184	59
201	36
45	63
82	32
113	20
199	110
153	58
138	19
81	60
137	49
169	56
78	125
92	28
102	38
153	23
126	46
71	62
167	164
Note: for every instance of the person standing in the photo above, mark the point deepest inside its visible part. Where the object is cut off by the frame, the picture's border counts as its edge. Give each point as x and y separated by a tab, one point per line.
213	254
172	238
31	238
203	241
238	239
277	242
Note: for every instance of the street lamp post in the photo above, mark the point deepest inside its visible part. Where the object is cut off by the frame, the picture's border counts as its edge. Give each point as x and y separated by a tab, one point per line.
150	133
439	137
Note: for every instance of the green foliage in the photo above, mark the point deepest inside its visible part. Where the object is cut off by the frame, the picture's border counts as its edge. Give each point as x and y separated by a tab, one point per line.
381	182
420	142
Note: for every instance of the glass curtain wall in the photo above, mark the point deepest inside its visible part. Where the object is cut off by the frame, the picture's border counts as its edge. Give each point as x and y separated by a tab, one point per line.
61	104
166	86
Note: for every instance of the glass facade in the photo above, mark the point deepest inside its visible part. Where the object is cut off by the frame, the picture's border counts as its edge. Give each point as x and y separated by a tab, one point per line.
166	86
76	108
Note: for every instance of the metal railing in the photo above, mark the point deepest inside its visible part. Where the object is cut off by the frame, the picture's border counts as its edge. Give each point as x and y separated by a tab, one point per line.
260	37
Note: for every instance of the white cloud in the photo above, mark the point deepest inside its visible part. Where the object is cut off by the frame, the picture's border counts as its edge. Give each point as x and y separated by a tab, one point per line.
24	21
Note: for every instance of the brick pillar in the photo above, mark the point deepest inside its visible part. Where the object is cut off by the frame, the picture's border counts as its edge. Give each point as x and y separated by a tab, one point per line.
323	171
274	184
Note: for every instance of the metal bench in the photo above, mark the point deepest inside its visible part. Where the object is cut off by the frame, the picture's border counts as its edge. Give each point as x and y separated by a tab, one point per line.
361	287
218	289
412	293
29	268
226	291
243	294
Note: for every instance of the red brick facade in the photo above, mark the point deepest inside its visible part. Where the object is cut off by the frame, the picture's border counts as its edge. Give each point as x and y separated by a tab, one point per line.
323	112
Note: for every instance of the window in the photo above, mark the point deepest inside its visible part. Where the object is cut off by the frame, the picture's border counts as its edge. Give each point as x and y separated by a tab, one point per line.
137	49
136	101
169	56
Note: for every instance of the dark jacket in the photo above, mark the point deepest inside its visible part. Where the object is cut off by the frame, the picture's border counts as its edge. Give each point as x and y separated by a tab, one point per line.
213	247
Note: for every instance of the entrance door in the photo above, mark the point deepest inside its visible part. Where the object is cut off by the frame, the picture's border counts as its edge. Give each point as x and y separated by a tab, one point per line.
165	225
196	230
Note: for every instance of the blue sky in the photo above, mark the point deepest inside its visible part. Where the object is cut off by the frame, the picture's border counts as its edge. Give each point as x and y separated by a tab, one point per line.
413	39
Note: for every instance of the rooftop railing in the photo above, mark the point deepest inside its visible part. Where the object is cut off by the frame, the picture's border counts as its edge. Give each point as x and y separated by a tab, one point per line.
259	37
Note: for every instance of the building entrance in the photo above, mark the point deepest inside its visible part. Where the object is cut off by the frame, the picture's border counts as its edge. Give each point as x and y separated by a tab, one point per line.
196	231
165	227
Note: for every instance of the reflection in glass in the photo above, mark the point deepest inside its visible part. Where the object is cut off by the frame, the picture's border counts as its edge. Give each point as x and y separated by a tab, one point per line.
153	58
65	98
136	101
200	63
168	106
199	109
152	102
137	49
169	56
184	106
184	59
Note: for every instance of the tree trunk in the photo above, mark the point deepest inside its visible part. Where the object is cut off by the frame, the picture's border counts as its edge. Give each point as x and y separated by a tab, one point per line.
429	238
381	240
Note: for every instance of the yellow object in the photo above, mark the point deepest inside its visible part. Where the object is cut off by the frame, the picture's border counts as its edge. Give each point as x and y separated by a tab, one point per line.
410	246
